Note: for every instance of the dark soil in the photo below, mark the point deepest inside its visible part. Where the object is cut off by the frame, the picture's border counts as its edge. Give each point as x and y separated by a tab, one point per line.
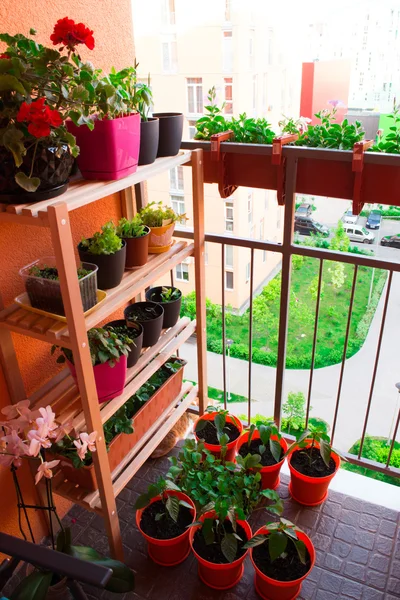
143	314
267	459
282	569
213	552
165	528
209	433
131	332
301	462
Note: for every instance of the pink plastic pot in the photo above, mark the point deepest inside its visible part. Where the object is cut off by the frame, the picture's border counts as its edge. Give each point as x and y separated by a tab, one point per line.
216	448
111	150
220	576
110	381
269	475
272	589
168	553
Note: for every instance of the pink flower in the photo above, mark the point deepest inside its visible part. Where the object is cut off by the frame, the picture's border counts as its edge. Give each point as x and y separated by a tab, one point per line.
16	410
39	439
89	440
44	470
47	419
14	446
82	449
60	432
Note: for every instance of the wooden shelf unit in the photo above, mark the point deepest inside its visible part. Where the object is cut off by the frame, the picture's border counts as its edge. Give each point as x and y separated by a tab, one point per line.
80	403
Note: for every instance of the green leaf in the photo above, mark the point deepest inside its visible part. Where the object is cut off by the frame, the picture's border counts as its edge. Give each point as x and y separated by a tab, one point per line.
276	449
11	83
122	579
159	516
201	425
277	543
253	461
325	451
219	422
257	540
185	504
142	501
224	439
33	587
29	184
301	551
208	531
12	141
172	506
229	547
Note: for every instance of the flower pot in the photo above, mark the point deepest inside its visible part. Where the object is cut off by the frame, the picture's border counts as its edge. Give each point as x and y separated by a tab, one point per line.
136	348
52	165
171	309
149	137
111	150
216	448
45	294
173	551
272	589
137	250
152	327
171	127
111	266
310	491
269	474
110	381
161	238
220	576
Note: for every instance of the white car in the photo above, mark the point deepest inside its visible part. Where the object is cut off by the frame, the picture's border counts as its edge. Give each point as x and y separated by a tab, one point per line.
356	233
348	217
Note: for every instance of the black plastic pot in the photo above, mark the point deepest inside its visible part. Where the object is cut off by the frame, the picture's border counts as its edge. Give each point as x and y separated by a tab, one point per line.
149	136
171	309
171	127
135	331
111	266
152	326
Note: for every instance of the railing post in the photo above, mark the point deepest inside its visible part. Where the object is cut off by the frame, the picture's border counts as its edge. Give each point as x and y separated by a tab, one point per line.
290	188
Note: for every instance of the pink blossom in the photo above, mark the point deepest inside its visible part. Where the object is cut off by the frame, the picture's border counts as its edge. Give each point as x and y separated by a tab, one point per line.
82	448
14	446
60	432
16	410
89	440
39	439
47	418
44	470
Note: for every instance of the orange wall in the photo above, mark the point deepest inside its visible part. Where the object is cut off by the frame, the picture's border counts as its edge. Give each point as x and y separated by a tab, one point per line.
19	245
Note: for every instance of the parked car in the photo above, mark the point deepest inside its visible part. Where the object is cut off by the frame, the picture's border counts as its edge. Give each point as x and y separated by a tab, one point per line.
304	210
307	226
391	240
348	217
356	233
374	220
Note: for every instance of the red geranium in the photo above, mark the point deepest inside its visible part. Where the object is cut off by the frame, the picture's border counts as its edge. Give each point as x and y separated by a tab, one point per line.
5	55
39	116
69	33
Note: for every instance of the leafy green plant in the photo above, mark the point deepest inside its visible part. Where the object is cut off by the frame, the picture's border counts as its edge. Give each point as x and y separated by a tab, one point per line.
218	423
168	294
391	142
294	410
51	273
143	96
157	215
248	130
277	538
104	242
309	439
133	228
267	432
213	121
171	504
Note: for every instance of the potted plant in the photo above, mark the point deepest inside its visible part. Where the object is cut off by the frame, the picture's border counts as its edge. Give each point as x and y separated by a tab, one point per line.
135	332
218	430
163	515
265	441
43	285
171	299
282	556
149	126
150	315
312	463
136	237
170	133
106	250
161	221
108	352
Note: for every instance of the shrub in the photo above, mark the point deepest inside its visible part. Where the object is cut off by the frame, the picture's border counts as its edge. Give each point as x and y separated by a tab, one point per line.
375	448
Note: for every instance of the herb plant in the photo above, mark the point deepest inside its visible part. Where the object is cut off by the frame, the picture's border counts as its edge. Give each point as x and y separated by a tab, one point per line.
51	273
168	294
391	142
279	535
267	432
219	423
171	504
315	436
133	228
157	215
106	242
214	120
142	97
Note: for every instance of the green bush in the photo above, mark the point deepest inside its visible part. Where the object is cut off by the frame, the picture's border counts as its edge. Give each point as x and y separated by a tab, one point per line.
375	448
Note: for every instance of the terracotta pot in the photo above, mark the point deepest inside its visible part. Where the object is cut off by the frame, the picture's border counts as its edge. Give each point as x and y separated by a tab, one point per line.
137	250
272	589
310	491
170	133
149	137
135	348
168	553
172	309
220	576
110	381
151	328
269	475
161	238
111	150
111	266
216	448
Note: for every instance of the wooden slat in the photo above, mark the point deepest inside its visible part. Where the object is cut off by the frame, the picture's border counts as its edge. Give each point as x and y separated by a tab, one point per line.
29	319
16	316
43	324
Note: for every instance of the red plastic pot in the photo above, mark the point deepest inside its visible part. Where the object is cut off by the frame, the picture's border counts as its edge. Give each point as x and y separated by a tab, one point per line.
110	381
272	589
111	150
220	576
310	491
168	553
216	448
269	475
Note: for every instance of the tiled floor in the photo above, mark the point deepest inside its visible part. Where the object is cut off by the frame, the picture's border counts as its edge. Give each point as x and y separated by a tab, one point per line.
357	543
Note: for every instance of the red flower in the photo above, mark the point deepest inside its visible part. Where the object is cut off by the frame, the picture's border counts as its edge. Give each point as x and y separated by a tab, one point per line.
5	55
69	33
39	116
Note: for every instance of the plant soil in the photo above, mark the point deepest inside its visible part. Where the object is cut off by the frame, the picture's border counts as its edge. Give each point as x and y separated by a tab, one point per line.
131	332
140	314
209	433
165	528
213	552
301	462
289	568
266	457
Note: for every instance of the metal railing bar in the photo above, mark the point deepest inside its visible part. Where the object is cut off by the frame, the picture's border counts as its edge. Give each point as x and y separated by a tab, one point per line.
375	370
321	266
223	321
250	333
393	440
346	341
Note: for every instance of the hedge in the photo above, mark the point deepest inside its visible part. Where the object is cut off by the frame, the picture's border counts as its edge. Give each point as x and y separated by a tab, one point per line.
375	448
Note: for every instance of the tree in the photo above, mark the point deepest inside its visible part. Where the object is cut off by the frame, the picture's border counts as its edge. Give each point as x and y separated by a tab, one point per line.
338	276
340	240
313	288
295	410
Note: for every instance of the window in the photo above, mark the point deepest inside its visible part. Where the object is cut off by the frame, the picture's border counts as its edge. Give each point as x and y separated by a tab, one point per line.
228	7
250	207
229	257
176	179
195	95
254	92
251	51
192	129
206	253
227	52
178	204
228	110
229	280
169	54
168	12
228	216
247	272
182	272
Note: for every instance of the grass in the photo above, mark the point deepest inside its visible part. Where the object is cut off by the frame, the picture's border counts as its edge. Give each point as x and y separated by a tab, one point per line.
216	394
375	448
